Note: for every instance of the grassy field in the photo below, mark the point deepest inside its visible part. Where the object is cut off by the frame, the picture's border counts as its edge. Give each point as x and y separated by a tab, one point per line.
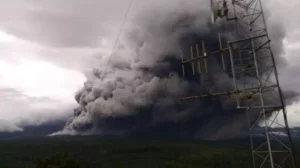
96	152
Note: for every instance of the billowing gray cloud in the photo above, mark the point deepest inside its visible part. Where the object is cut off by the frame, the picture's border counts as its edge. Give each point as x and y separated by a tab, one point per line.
157	38
145	82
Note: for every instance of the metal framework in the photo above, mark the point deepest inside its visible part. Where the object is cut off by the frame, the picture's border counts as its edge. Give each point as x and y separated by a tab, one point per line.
255	85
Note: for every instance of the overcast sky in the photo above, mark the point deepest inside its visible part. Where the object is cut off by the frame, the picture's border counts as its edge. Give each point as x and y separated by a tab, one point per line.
48	47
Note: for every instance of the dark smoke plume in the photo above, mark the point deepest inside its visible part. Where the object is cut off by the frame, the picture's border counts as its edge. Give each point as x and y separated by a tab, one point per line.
139	94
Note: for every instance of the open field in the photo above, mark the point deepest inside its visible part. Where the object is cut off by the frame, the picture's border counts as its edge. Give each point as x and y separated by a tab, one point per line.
110	152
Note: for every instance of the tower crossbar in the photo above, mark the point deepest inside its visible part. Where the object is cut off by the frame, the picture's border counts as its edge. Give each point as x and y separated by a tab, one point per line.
255	84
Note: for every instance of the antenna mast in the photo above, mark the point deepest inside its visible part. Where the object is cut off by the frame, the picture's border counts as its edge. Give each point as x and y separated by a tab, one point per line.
255	84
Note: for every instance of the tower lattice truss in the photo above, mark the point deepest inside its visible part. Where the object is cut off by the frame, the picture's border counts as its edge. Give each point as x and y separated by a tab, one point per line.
255	88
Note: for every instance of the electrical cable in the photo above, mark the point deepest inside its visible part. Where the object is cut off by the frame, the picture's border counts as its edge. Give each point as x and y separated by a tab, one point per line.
117	40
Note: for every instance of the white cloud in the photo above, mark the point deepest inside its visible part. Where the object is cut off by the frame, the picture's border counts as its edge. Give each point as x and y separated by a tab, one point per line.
293	114
36	78
6	126
33	90
293	111
286	14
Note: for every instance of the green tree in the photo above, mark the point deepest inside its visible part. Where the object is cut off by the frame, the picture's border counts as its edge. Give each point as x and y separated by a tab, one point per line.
60	160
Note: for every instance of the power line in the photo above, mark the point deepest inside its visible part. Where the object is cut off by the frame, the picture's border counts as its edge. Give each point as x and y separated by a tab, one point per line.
117	40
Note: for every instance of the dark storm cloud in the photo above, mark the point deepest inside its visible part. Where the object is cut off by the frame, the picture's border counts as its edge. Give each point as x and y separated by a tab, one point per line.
63	23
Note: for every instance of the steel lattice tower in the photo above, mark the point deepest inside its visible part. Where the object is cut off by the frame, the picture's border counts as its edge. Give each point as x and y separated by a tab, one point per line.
256	87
